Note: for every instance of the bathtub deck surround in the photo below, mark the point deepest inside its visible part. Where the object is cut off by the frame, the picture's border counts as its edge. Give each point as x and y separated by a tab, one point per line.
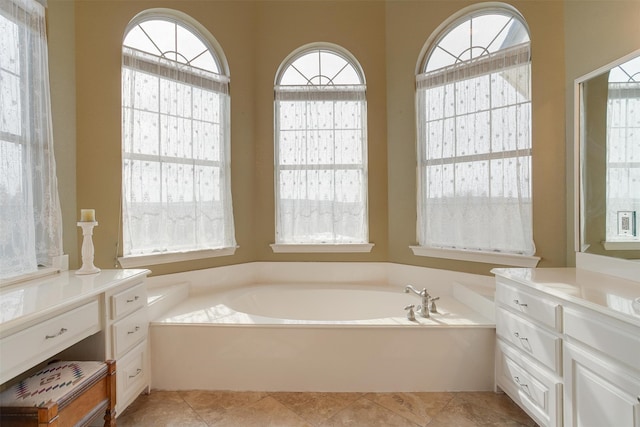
437	281
321	327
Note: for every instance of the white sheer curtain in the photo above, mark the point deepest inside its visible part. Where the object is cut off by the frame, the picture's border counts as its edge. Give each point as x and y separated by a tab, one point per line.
474	130
623	157
30	216
321	164
176	157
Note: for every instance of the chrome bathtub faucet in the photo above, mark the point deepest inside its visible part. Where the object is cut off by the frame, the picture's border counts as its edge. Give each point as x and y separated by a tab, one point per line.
423	308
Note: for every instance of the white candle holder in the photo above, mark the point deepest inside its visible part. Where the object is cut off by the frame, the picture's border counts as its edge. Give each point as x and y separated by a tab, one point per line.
87	248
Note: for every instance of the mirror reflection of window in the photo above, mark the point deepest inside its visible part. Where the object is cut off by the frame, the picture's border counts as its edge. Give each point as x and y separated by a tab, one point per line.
623	152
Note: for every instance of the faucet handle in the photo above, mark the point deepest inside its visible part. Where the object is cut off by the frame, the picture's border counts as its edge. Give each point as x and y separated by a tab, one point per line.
410	313
432	304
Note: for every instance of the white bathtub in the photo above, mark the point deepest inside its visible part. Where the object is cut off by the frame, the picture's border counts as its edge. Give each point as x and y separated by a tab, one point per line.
322	337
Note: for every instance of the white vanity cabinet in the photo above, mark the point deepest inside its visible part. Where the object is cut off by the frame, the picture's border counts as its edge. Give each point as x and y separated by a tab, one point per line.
579	364
529	351
83	317
602	370
127	326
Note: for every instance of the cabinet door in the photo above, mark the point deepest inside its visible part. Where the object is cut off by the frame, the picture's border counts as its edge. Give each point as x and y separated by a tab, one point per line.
599	391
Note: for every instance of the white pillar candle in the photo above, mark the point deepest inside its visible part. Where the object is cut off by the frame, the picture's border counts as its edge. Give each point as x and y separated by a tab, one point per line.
87	215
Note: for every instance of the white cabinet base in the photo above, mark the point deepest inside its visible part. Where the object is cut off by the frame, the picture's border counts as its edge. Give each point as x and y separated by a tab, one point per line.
598	392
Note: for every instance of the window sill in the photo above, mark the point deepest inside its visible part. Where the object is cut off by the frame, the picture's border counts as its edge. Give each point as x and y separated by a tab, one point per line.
289	248
166	258
619	245
512	260
60	263
42	272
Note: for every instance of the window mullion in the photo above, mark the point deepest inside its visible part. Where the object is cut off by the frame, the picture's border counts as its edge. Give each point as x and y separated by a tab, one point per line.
335	170
491	134
305	151
194	176
159	114
455	139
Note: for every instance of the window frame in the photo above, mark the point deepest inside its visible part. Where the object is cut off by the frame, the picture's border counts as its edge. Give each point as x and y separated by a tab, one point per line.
482	256
30	18
331	93
218	84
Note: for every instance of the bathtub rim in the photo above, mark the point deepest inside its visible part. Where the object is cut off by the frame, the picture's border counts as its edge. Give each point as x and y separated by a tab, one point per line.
454	312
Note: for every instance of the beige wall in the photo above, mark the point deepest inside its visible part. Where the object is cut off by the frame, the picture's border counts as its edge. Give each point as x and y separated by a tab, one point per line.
596	33
386	37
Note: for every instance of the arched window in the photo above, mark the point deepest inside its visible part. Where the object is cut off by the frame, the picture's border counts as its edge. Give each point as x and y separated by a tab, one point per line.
321	148
175	146
473	90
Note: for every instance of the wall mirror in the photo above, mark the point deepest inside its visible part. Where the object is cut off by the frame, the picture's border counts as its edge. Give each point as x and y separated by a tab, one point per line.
608	157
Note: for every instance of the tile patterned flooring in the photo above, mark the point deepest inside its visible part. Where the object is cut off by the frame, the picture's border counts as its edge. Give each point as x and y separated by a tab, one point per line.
289	409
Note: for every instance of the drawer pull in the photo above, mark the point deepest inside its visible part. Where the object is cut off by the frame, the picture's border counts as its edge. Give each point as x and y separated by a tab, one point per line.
524	341
60	332
136	374
523	386
136	298
519	304
136	329
521	338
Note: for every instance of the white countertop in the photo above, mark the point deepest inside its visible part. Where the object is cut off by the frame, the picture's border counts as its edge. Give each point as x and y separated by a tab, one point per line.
23	303
606	294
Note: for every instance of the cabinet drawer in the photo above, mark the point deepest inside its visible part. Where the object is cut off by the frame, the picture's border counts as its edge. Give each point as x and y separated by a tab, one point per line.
132	375
128	301
532	339
30	346
537	308
618	340
538	392
129	331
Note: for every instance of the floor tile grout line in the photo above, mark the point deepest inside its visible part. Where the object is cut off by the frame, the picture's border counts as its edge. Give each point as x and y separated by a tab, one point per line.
390	410
321	422
443	410
195	411
461	398
452	396
343	409
286	407
291	408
